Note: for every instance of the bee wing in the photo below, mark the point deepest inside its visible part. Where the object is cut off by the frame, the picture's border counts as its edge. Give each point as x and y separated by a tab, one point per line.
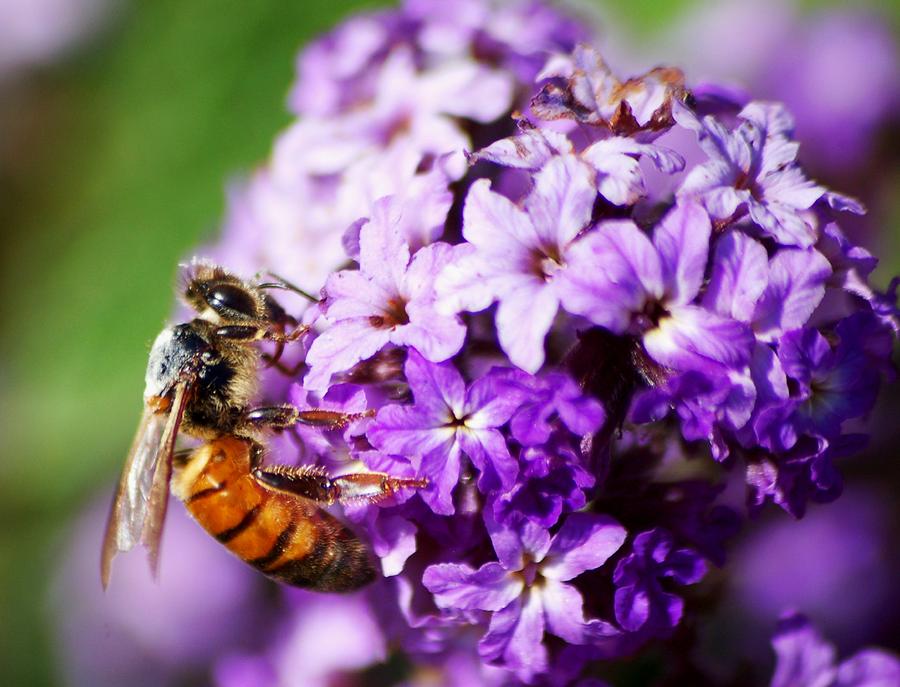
151	533
137	511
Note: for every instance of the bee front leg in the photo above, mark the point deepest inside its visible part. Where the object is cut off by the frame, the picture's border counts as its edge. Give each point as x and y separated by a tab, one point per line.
313	483
285	416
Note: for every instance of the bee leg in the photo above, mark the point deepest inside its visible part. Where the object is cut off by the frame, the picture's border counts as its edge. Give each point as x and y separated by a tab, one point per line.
313	483
259	330
284	416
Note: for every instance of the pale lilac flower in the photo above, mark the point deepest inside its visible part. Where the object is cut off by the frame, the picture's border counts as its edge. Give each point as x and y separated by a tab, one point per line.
620	280
527	590
754	167
615	161
390	299
516	255
410	109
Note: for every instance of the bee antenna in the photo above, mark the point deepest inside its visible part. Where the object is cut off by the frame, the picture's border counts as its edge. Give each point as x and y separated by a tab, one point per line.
285	285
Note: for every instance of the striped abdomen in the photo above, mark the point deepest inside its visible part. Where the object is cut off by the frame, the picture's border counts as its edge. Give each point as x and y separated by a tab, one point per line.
284	535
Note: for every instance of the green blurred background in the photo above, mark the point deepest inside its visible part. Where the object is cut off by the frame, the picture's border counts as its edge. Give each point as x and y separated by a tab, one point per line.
113	164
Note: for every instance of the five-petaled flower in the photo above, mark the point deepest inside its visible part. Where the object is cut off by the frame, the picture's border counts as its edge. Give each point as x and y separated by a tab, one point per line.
527	589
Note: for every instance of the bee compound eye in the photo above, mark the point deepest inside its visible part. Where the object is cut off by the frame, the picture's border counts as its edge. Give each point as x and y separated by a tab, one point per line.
230	298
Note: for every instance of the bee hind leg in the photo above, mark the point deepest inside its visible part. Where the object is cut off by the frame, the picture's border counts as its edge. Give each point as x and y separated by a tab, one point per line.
313	483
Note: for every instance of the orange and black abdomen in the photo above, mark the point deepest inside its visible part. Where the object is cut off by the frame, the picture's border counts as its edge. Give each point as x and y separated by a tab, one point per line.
284	535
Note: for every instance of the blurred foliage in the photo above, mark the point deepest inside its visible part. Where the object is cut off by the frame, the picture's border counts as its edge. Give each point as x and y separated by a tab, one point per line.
114	166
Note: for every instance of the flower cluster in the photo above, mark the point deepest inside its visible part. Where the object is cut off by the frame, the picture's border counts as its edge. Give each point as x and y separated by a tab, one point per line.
570	330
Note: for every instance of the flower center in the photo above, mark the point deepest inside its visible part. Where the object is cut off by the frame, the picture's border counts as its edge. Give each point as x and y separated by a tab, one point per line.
394	315
546	262
649	318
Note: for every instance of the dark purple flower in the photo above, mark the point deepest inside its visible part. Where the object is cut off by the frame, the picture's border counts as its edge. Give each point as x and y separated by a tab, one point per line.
445	421
805	659
551	481
526	591
833	383
641	603
550	397
804	473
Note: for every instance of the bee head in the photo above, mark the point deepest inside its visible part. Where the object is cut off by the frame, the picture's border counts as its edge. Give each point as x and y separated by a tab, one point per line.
176	356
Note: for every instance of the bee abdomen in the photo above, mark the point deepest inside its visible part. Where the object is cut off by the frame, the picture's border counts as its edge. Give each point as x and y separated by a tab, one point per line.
335	564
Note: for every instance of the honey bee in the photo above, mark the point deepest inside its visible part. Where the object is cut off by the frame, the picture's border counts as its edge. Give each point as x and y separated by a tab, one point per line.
201	378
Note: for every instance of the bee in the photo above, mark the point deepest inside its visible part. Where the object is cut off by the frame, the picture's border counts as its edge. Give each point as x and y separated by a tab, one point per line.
201	378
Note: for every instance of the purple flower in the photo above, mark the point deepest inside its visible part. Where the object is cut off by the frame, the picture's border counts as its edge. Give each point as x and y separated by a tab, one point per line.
516	255
773	295
615	162
755	167
641	603
447	420
390	299
620	280
410	109
550	397
805	659
551	481
526	591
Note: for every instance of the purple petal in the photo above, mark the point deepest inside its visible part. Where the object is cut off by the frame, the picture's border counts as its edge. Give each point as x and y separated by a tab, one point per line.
841	203
619	173
383	253
442	467
409	431
682	240
693	338
562	200
529	150
493	222
739	276
339	347
784	223
488	452
523	320
796	287
564	611
632	607
585	541
869	668
350	293
610	275
804	658
438	389
457	586
436	337
491	401
514	638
